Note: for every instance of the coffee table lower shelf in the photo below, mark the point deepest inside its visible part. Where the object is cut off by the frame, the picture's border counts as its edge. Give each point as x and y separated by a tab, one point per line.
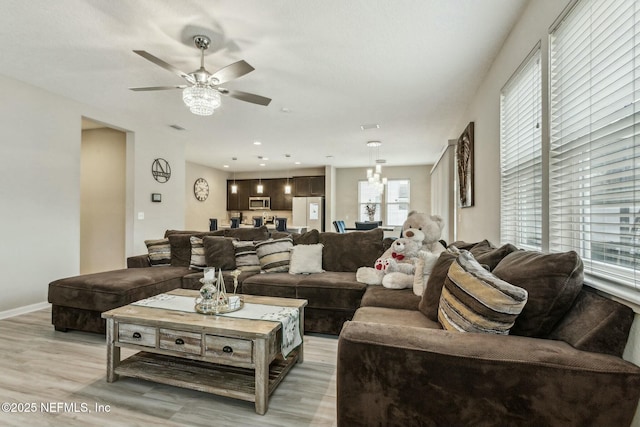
222	380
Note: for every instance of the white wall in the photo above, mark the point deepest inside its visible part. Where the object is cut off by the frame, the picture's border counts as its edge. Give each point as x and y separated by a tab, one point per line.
197	212
484	110
346	189
40	188
103	182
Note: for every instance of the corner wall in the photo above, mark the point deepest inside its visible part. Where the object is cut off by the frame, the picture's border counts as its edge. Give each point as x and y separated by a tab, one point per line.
40	188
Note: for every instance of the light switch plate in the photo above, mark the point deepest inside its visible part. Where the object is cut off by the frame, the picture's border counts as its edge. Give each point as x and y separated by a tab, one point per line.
140	215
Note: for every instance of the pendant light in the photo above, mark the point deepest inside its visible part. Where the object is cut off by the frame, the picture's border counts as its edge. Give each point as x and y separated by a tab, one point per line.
234	186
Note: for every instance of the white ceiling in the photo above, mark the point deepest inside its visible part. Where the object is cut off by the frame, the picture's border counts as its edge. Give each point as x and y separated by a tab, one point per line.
407	65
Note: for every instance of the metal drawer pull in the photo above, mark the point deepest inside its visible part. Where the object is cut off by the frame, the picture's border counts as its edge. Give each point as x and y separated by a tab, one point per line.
180	341
227	349
137	335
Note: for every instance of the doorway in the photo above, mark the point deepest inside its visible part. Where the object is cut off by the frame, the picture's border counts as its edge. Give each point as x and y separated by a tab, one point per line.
102	198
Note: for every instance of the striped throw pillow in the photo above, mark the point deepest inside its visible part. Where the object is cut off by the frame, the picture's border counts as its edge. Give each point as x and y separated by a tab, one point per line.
275	254
246	258
198	261
474	300
159	252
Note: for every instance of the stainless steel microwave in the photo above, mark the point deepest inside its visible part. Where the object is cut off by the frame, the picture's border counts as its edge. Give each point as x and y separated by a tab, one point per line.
259	203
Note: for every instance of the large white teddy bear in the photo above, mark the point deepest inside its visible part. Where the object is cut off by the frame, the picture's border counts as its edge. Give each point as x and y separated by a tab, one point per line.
429	225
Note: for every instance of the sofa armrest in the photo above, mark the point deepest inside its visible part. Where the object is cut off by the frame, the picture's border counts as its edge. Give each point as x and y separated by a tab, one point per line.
138	261
398	376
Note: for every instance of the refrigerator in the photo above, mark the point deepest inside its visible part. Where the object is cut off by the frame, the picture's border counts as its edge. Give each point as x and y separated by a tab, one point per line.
308	212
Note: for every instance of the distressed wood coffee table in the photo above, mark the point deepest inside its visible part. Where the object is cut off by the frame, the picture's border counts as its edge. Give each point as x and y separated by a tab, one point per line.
233	357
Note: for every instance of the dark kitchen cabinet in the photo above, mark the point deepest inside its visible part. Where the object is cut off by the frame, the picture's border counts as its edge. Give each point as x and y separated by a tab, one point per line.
240	200
306	186
279	200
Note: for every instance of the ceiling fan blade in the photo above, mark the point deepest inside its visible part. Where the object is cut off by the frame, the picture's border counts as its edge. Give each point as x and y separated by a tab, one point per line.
146	55
230	72
140	89
245	96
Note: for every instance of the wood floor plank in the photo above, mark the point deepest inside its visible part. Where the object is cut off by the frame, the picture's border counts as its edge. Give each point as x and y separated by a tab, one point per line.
52	369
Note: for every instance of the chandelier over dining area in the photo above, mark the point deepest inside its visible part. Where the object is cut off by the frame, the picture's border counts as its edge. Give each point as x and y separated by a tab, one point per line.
374	174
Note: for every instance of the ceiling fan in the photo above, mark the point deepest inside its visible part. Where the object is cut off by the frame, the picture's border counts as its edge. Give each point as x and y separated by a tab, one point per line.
202	95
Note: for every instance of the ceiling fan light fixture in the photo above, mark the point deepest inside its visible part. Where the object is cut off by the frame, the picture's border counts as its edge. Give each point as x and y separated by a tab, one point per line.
201	99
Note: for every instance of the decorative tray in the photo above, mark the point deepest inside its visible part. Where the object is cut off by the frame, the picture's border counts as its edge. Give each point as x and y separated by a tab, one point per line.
219	309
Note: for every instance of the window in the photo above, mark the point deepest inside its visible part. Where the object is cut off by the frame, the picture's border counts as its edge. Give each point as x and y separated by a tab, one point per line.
594	160
398	198
520	156
395	204
369	199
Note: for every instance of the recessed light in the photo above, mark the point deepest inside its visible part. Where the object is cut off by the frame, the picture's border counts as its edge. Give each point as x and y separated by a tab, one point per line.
374	144
262	164
257	143
225	166
285	110
370	126
297	163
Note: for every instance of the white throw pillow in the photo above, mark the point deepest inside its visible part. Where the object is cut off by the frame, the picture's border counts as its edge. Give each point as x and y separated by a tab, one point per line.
306	259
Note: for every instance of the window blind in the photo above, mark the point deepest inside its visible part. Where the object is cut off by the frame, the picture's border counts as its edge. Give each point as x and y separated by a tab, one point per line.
520	156
594	162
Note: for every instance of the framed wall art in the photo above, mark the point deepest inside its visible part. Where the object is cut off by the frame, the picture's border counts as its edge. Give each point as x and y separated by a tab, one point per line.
464	167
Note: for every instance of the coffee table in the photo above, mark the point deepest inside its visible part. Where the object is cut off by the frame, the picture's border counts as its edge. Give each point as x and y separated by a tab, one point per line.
233	357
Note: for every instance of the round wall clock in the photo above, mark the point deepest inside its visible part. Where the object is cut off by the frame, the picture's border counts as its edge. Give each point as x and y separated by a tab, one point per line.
161	170
201	189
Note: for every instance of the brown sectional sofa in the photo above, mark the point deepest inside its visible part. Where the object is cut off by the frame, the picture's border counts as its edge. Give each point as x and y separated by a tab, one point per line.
398	367
333	296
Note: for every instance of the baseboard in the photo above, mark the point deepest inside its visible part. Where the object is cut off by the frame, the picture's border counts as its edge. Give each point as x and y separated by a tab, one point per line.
24	310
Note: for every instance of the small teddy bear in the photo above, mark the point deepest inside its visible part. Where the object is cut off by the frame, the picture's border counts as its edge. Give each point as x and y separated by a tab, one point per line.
400	268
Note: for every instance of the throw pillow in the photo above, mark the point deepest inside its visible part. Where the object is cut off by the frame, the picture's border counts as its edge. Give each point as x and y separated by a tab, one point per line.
197	254
159	252
474	300
306	259
433	288
553	282
219	252
246	257
274	254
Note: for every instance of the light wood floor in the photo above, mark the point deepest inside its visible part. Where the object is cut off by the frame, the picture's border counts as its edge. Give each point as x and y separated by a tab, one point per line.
41	366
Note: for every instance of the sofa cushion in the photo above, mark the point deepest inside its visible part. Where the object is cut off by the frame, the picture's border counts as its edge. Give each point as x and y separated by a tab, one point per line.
219	252
431	294
246	257
595	323
274	254
311	237
159	252
350	251
180	242
110	289
484	252
255	233
552	280
379	296
336	290
487	254
197	261
394	316
306	259
271	285
474	300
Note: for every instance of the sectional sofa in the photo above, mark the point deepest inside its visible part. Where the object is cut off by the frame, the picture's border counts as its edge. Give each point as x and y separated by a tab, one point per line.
560	365
333	295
